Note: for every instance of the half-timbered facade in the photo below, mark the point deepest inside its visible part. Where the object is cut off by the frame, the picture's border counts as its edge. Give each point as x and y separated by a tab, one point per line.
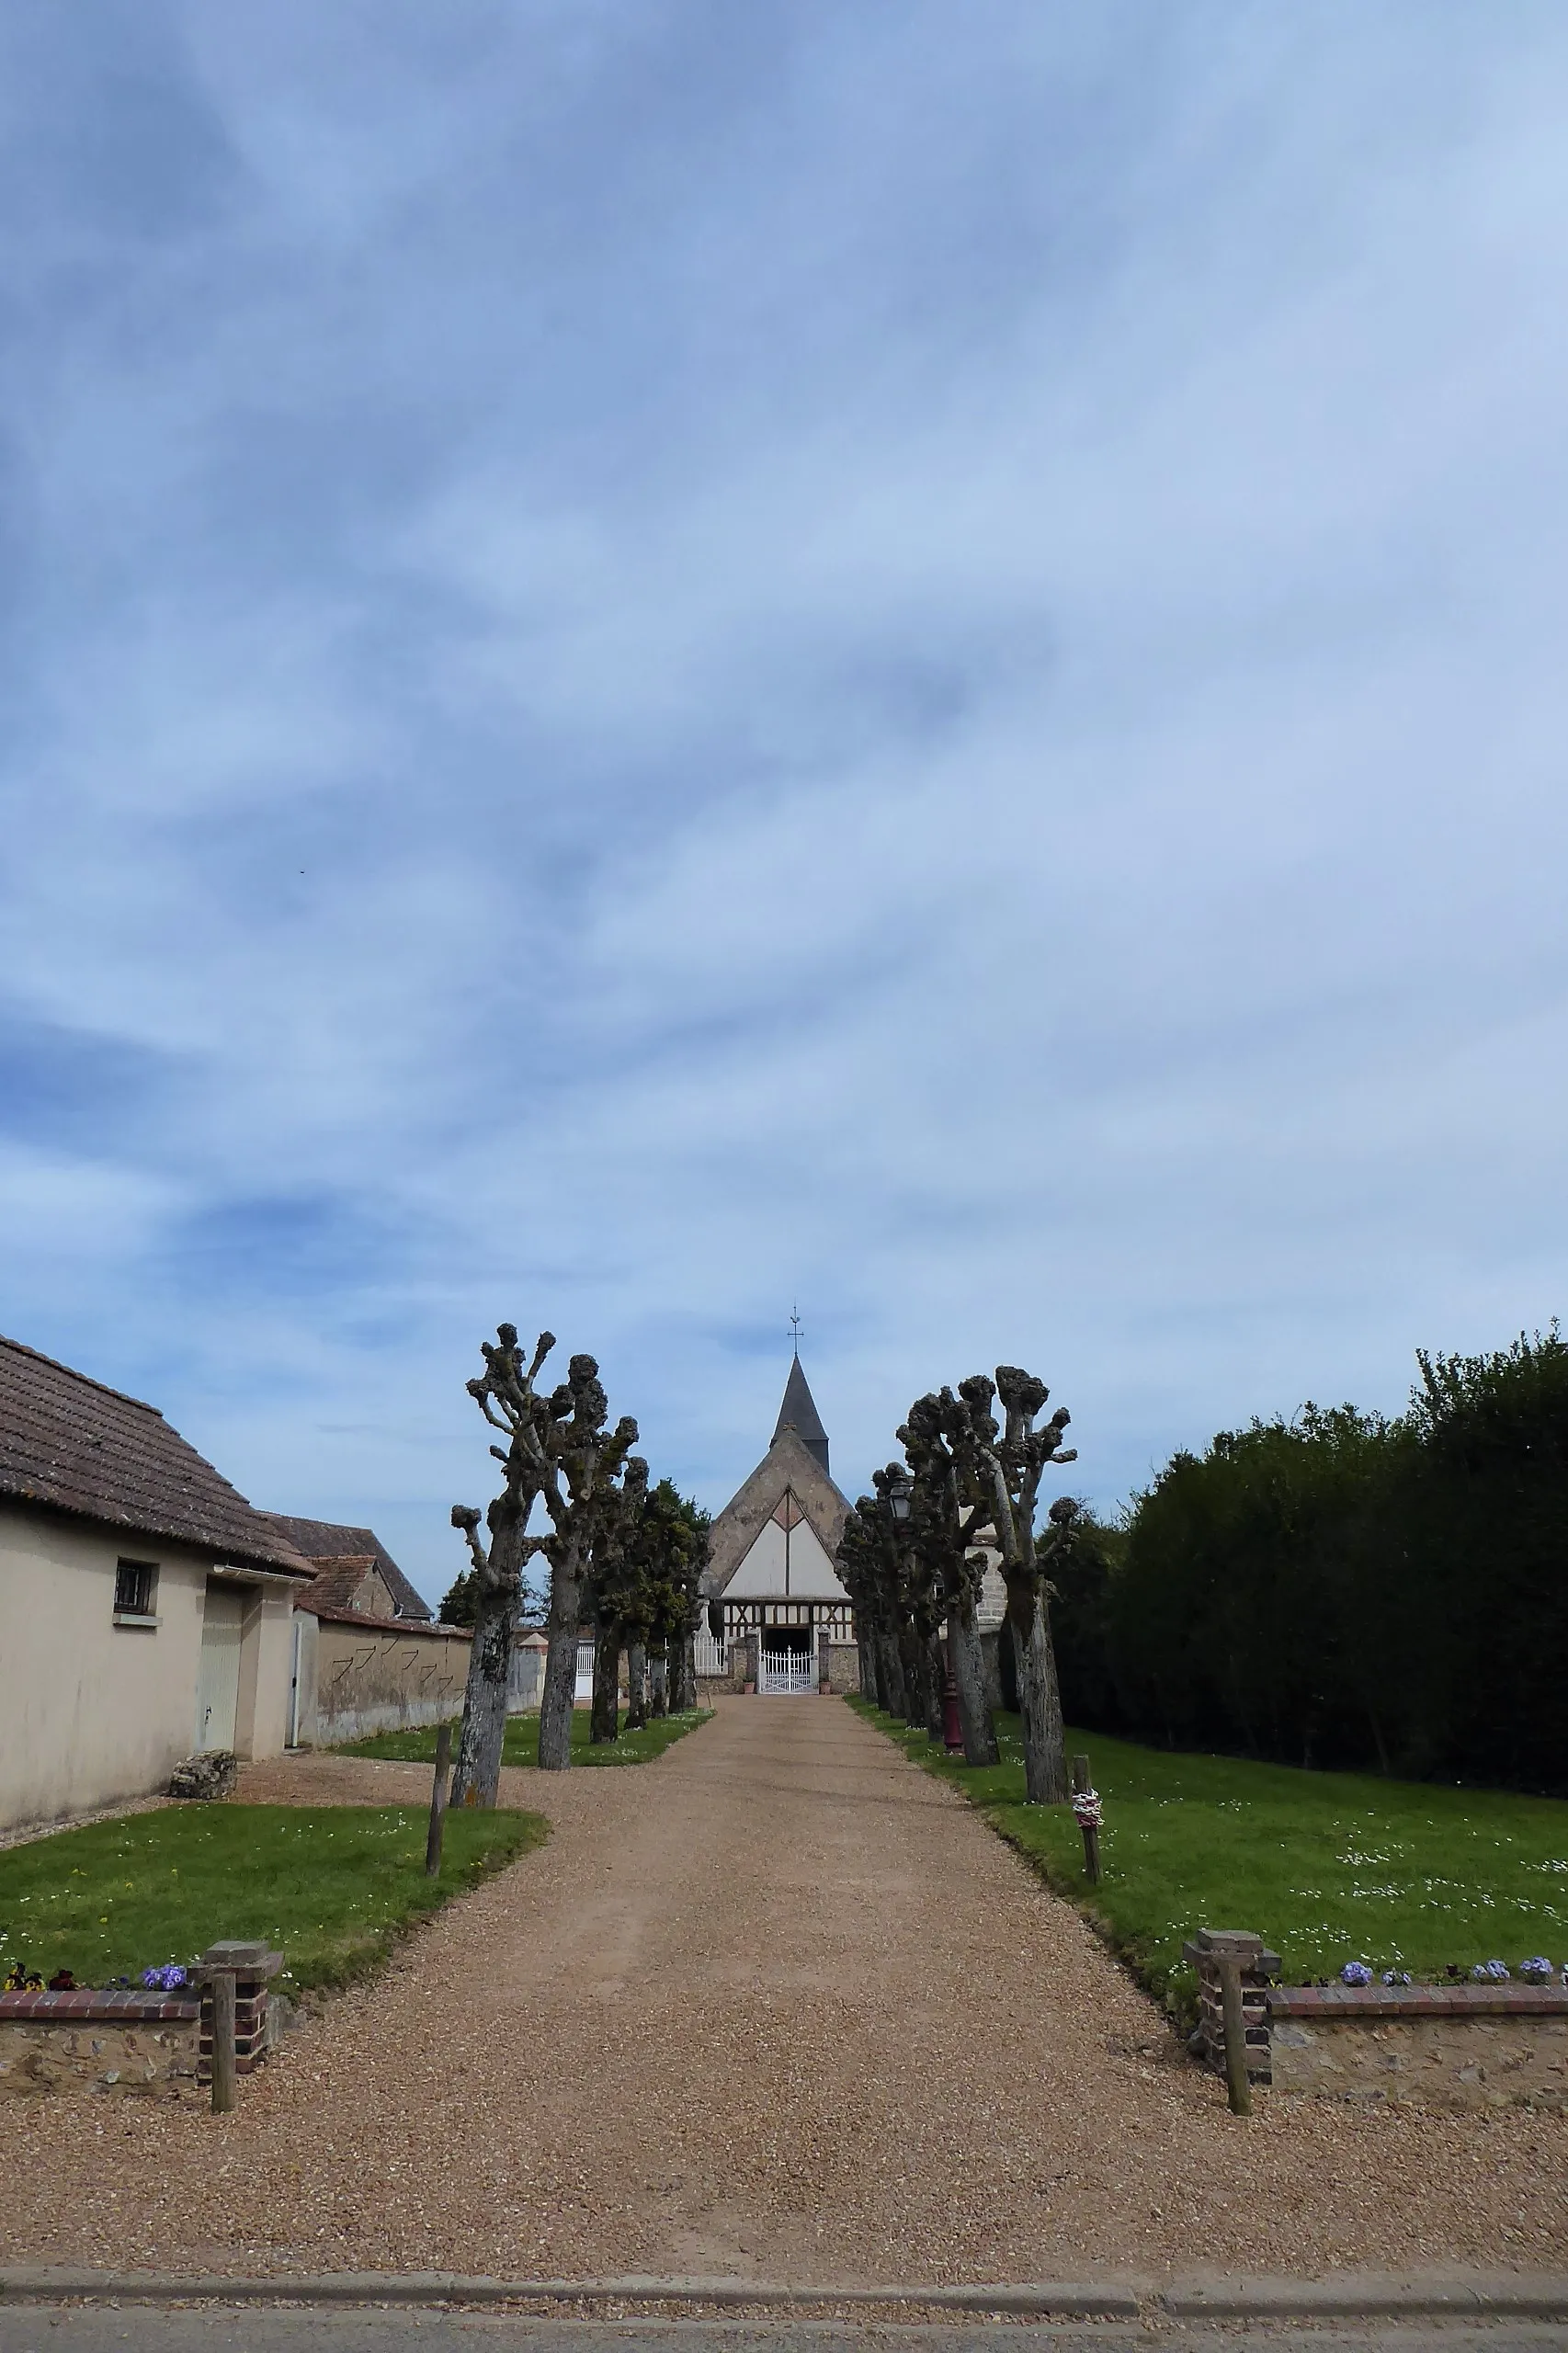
780	1618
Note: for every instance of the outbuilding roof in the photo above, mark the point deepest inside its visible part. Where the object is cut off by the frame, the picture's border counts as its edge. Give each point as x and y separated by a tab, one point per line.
68	1443
327	1543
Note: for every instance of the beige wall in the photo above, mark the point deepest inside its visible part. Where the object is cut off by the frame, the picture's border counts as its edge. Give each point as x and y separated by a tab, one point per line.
356	1680
91	1711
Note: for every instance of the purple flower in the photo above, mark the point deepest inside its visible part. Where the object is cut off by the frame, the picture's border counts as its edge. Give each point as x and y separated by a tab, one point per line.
1540	1970
1355	1972
1396	1977
166	1979
1493	1972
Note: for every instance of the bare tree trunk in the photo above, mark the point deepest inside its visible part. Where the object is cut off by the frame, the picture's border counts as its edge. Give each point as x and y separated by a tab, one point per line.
935	1690
658	1680
606	1684
636	1684
683	1671
560	1663
868	1668
484	1704
1039	1702
893	1674
969	1673
909	1659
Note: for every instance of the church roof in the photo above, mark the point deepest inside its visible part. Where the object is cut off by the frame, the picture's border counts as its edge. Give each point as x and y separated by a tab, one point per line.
799	1413
789	1467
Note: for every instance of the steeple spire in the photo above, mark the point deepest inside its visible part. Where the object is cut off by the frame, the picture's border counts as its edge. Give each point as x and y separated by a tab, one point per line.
799	1413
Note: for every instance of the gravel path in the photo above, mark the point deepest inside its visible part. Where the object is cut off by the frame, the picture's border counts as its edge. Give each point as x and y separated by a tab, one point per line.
778	2005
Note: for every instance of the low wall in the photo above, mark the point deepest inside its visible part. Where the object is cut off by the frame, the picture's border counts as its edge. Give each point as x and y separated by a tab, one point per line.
1435	2046
124	2044
1450	2047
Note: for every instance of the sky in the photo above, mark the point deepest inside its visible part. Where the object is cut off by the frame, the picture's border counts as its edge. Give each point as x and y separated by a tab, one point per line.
660	660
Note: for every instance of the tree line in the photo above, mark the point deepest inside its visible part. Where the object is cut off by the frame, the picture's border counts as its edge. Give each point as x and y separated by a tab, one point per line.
913	1555
623	1558
1347	1589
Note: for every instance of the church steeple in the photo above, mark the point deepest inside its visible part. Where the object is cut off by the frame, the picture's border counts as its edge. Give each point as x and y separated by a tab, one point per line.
799	1413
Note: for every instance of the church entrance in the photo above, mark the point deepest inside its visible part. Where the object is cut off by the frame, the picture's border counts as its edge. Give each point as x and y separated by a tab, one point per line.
789	1664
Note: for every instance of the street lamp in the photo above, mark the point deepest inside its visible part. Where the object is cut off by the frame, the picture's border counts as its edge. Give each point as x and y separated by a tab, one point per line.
900	1488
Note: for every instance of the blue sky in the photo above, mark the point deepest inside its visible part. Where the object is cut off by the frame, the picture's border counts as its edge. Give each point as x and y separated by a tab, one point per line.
656	659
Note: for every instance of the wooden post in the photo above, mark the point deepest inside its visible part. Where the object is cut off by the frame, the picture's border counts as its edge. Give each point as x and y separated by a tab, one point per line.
1091	1836
223	2042
1237	2086
439	1801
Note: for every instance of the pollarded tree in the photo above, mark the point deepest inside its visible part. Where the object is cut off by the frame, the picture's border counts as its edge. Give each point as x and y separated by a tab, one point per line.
918	1599
674	1549
583	1462
612	1573
506	1397
1000	1471
870	1560
858	1561
947	1524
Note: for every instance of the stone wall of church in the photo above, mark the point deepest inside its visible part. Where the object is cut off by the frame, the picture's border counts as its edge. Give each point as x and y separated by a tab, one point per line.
842	1667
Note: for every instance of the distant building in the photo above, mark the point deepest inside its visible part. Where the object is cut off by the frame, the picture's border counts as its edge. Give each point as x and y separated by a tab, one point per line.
145	1607
369	1656
786	1618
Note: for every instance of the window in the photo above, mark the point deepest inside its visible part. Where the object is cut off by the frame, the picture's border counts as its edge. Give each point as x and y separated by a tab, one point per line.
135	1589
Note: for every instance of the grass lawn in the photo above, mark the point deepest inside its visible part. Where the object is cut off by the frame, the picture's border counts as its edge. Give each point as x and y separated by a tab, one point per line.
332	1887
417	1746
1327	1867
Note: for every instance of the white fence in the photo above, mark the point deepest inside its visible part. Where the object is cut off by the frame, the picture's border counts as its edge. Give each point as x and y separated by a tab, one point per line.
713	1658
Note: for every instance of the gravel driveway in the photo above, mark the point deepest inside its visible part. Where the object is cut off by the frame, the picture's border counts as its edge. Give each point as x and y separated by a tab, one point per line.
779	2005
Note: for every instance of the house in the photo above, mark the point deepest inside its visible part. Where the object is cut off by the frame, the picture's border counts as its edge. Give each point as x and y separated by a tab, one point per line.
145	1607
787	1625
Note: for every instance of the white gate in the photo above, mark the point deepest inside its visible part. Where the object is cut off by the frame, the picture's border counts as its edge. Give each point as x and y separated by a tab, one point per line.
788	1671
585	1687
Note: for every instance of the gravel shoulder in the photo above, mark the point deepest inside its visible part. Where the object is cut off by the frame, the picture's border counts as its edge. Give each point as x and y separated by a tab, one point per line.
778	2005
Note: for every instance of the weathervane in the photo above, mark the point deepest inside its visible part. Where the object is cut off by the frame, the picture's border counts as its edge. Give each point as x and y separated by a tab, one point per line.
795	1331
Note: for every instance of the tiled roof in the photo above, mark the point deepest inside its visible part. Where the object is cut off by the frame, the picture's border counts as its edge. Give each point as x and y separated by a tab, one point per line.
70	1443
336	1582
335	1615
324	1541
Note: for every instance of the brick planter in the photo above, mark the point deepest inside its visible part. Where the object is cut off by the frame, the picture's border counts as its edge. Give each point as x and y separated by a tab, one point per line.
121	2042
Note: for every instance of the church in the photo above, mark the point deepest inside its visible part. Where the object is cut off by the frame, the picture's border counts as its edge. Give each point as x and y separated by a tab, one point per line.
778	1619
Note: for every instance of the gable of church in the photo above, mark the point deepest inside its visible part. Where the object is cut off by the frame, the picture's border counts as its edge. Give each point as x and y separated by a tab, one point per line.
786	1557
788	1492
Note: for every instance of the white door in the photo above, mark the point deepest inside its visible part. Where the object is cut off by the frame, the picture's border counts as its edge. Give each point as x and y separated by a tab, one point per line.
218	1680
585	1687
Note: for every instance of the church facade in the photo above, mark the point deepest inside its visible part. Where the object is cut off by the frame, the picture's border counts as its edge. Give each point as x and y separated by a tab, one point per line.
779	1621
